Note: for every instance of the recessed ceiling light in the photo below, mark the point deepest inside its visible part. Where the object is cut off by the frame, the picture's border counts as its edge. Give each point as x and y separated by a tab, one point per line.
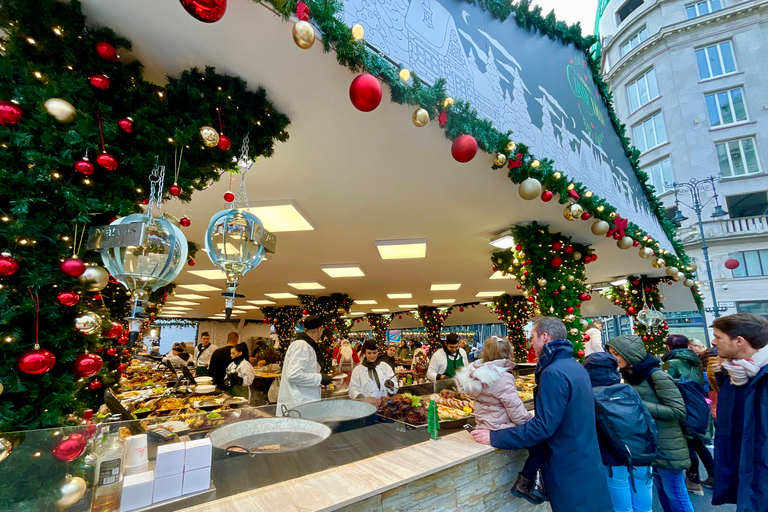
191	296
619	282
356	313
182	303
408	306
261	302
199	288
177	308
209	274
281	295
281	216
380	310
238	312
489	294
444	287
363	302
343	270
503	241
400	295
307	285
498	275
170	315
443	301
402	249
248	307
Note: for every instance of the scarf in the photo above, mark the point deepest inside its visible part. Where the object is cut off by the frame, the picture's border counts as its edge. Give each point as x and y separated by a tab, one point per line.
372	373
454	361
201	348
741	370
640	370
312	343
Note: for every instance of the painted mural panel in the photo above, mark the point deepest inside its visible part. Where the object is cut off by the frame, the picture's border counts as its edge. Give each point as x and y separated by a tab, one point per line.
539	89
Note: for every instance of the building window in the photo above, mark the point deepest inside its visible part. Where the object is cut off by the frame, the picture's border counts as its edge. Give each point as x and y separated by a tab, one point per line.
726	107
752	204
642	90
702	8
751	263
716	60
661	175
634	41
759	307
650	133
737	157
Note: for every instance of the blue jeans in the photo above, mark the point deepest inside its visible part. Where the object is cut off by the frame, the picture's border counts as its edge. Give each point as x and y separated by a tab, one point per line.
620	489
673	495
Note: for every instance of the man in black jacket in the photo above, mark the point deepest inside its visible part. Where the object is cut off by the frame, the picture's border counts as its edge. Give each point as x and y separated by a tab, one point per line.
221	358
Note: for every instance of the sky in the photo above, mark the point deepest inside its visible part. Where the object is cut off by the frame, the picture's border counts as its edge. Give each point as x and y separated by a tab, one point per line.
571	11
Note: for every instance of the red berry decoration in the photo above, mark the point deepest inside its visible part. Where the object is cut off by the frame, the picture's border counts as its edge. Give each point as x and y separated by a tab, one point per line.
8	265
547	196
67	298
365	92
519	286
174	190
229	196
107	161
191	263
115	331
580	353
10	113
36	361
185	222
73	267
71	447
617	236
106	51
95	384
224	143
583	296
556	262
126	124
207	11
585	216
85	167
100	81
87	365
464	148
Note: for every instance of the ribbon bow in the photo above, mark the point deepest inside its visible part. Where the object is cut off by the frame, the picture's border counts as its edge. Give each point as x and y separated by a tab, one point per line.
620	225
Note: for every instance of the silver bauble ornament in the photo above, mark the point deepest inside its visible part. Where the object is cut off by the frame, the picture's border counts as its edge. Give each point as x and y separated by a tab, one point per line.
72	490
694	267
574	331
646	252
94	278
5	448
625	243
688	283
210	136
570	318
88	323
61	110
584	324
542	282
521	255
529	189
572	212
516	262
672	271
571	278
600	228
576	255
680	275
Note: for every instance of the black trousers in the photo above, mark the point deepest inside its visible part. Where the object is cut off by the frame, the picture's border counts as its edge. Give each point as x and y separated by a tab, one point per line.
535	461
696	450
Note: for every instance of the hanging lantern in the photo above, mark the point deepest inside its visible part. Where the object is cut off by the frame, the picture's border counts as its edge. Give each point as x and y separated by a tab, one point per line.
650	317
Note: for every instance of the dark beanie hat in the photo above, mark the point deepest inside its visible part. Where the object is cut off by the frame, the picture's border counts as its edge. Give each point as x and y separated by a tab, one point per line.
313	322
370	344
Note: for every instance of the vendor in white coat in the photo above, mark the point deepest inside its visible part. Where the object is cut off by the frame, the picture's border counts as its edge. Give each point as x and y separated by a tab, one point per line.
301	379
373	378
446	361
595	343
240	372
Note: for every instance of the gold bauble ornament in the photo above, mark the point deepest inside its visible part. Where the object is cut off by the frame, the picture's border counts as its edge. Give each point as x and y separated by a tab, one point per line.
420	118
645	252
562	287
6	447
510	269
672	271
94	278
573	211
694	267
61	110
511	147
680	276
358	31
576	255
551	309
88	323
516	262
571	278
574	331
72	490
600	228
500	159
542	282
210	136
303	34
658	263
535	164
529	189
625	243
447	103
570	318
688	283
521	255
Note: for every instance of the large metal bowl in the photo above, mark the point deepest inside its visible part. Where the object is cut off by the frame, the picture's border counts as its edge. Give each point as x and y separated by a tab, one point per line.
340	415
268	435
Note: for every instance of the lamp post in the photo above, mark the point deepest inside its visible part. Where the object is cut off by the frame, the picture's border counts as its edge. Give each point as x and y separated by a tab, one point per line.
695	187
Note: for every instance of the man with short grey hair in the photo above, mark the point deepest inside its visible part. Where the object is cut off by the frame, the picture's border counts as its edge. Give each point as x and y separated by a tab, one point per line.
565	420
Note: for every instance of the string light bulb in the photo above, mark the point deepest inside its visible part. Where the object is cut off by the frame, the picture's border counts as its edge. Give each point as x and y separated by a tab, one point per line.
358	31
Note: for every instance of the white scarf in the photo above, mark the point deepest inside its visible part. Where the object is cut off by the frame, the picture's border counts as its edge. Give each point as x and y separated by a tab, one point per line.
741	370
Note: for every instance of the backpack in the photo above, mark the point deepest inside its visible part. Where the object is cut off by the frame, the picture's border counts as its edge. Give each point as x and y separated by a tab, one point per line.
630	432
697	410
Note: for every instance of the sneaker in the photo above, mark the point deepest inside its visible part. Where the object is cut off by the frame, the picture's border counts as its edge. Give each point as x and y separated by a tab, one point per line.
708	483
522	489
538	489
694	487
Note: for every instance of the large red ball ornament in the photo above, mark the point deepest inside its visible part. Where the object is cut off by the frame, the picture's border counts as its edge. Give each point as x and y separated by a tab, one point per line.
106	51
114	331
70	448
100	81
556	262
732	264
126	124
94	384
568	249
587	337
8	265
112	351
174	190
547	196
570	310
631	310
36	361
224	143
464	148
107	161
229	196
207	11
73	267
581	353
185	222
10	113
365	92
557	246
67	298
85	167
87	365
122	367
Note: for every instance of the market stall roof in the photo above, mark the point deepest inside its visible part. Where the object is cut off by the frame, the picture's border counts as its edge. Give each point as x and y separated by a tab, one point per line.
356	178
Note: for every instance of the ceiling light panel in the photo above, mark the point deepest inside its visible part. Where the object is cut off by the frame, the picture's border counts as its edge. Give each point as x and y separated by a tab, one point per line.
504	241
443	301
489	294
281	218
199	288
364	302
356	313
281	295
307	285
400	295
191	296
380	310
343	270
261	302
408	306
444	287
248	307
181	303
498	275
209	274
402	249
177	308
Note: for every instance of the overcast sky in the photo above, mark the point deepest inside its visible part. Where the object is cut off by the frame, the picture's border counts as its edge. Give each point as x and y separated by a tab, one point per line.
572	11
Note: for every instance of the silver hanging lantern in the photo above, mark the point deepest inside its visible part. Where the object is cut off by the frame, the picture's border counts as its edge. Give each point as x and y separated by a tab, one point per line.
236	241
143	251
650	318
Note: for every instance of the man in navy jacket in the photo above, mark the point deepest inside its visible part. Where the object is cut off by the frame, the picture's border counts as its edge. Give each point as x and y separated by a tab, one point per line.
574	477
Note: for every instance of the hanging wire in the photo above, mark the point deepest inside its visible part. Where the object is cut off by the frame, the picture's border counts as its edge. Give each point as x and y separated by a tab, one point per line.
244	164
156	179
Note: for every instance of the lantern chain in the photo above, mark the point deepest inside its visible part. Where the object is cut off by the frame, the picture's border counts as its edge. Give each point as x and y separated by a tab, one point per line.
156	180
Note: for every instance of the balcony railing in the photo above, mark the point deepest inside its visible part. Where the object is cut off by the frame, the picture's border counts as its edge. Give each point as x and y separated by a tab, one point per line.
723	228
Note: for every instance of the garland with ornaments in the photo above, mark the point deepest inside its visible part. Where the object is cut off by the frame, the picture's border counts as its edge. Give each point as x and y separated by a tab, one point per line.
514	312
284	320
550	270
432	319
379	327
330	308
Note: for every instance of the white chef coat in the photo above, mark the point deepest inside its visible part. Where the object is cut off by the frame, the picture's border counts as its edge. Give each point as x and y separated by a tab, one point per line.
244	370
439	363
177	360
204	357
595	343
300	379
363	383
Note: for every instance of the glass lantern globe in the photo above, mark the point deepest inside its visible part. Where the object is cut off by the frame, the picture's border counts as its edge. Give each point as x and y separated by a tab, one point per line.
650	317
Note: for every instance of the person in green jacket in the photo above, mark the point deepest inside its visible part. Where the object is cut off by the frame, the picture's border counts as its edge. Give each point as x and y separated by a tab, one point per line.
667	408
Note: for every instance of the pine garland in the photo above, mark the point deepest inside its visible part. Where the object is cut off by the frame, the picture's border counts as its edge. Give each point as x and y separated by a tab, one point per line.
514	312
379	326
330	308
432	319
284	320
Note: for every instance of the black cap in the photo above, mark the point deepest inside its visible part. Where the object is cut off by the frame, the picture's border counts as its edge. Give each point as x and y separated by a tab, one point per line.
370	345
452	339
313	322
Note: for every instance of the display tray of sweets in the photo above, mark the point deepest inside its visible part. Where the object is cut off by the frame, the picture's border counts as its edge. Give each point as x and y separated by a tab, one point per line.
525	386
453	409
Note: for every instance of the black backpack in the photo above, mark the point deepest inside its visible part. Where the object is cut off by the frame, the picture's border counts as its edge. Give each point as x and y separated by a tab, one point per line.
698	413
630	432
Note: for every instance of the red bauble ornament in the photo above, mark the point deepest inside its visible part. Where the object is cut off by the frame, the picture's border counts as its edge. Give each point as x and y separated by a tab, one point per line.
556	292
84	167
631	310
122	367
122	340
191	263
583	296
107	161
556	262
519	286
585	216
570	310
115	330
185	222
174	190
145	202
229	196
100	81
95	384
126	124
461	310
224	143
10	113
70	448
580	353
635	243
586	337
8	265
526	273
126	351
531	299
518	247
732	263
86	365
96	296
67	298
568	249
617	236
557	246
36	361
645	338
305	312
365	92
464	148
207	11
106	51
593	257
111	351
547	196
73	267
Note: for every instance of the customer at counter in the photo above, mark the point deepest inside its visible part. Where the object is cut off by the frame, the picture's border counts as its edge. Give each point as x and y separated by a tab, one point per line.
240	373
203	352
389	356
373	378
178	356
446	361
220	360
405	350
301	379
